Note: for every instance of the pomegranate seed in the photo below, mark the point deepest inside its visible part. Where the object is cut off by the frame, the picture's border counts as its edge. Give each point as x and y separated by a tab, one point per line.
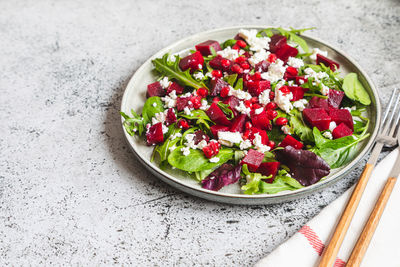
217	73
271	95
284	89
240	60
272	58
183	124
237	69
255	106
225	63
245	65
271	114
271	144
254	100
203	92
236	47
281	121
208	152
248	103
246	134
292	71
248	125
271	106
224	92
256	76
241	43
196	101
216	100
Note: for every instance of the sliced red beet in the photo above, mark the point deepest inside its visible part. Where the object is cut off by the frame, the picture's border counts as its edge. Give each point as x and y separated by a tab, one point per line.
175	86
155	134
317	102
342	116
291	73
298	92
232	102
269	168
261	120
217	115
238	123
182	102
171	117
341	130
205	48
200	136
253	160
285	52
333	65
317	117
216	128
216	86
155	89
291	141
262	66
255	88
335	98
262	133
277	42
216	63
194	62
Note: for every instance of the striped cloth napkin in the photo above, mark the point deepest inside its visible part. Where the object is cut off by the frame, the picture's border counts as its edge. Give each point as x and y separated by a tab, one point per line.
306	246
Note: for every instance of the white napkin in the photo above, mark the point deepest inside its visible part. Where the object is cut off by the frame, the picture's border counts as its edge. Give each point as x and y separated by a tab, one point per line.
305	247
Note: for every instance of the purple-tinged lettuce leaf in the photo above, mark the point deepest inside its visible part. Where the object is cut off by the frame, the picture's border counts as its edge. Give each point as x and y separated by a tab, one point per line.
305	166
226	174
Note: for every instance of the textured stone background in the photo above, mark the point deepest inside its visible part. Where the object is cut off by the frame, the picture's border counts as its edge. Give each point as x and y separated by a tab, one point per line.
71	192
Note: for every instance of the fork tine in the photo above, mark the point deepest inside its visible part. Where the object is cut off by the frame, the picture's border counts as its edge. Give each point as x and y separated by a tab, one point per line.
391	112
396	124
388	106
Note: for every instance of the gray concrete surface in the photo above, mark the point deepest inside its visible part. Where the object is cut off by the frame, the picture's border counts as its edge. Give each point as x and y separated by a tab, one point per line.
71	192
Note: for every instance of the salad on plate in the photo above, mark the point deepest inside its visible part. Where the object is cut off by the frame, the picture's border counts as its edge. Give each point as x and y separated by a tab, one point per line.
261	110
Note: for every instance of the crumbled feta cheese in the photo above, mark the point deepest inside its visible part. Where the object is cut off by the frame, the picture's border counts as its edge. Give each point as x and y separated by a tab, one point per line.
300	104
185	151
258	57
349	109
245	144
286	129
258	111
275	71
257	142
188	94
208	74
263	98
255	43
239	93
301	81
170	100
325	89
225	143
283	100
332	125
172	58
176	135
328	135
190	141
243	109
279	84
214	159
187	111
159	117
164	82
198	75
202	144
318	76
229	53
316	51
233	137
204	105
290	83
295	62
200	66
164	129
172	148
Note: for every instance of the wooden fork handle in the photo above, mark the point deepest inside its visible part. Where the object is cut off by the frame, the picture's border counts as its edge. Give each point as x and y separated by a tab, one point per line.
363	241
329	254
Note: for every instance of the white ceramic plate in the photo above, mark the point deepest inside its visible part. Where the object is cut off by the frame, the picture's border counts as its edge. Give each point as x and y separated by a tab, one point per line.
135	96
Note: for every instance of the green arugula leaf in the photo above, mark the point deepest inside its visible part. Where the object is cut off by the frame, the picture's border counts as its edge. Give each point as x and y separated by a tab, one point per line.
239	84
134	124
200	116
354	90
292	36
231	79
299	126
152	106
226	110
172	71
196	161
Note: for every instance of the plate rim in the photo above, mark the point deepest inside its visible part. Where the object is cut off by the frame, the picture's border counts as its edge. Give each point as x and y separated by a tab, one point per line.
273	198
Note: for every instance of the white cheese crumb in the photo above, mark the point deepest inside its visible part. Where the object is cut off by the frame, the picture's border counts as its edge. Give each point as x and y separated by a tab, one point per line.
172	58
257	142
245	144
164	129
159	117
154	104
172	148
187	111
263	98
300	104
255	43
325	89
214	159
200	66
233	137
173	136
328	135
285	129
258	57
229	53
198	75
295	62
243	109
283	100
239	93
202	144
275	71
204	105
190	141
208	74
164	82
316	51
170	100
332	125
258	111
185	151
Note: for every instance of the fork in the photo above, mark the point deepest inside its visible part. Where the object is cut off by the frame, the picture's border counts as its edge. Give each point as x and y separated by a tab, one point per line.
385	137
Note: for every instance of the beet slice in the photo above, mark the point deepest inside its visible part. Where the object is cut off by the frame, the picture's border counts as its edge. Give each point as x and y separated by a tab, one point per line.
216	86
261	121
262	133
155	89
171	117
317	117
298	92
291	73
238	123
342	116
277	42
305	166
182	102
269	168
253	160
335	98
341	130
262	66
205	48
255	88
217	115
285	52
200	136
232	102
317	102
333	65
216	63
175	86
155	134
291	141
193	61
216	128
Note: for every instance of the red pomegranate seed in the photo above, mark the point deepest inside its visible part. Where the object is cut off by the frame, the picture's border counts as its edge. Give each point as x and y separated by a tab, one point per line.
272	58
216	100
217	73
208	152
240	60
237	69
281	121
225	63
248	103
271	144
236	47
271	106
224	92
284	89
183	124
271	95
246	135
256	76
248	125
203	92
271	114
255	106
196	101
245	65
241	43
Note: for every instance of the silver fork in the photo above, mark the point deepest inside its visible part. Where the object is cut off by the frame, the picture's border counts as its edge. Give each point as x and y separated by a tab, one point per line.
387	136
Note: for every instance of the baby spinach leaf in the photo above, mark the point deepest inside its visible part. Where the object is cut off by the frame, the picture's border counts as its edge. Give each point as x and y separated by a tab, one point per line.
196	161
354	90
229	42
152	106
164	149
300	128
239	84
172	71
201	175
134	124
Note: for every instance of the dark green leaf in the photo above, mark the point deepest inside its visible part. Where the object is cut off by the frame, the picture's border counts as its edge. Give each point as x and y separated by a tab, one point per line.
152	106
226	110
299	126
354	90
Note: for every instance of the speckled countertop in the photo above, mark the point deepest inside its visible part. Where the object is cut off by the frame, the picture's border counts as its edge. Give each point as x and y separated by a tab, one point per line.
71	192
